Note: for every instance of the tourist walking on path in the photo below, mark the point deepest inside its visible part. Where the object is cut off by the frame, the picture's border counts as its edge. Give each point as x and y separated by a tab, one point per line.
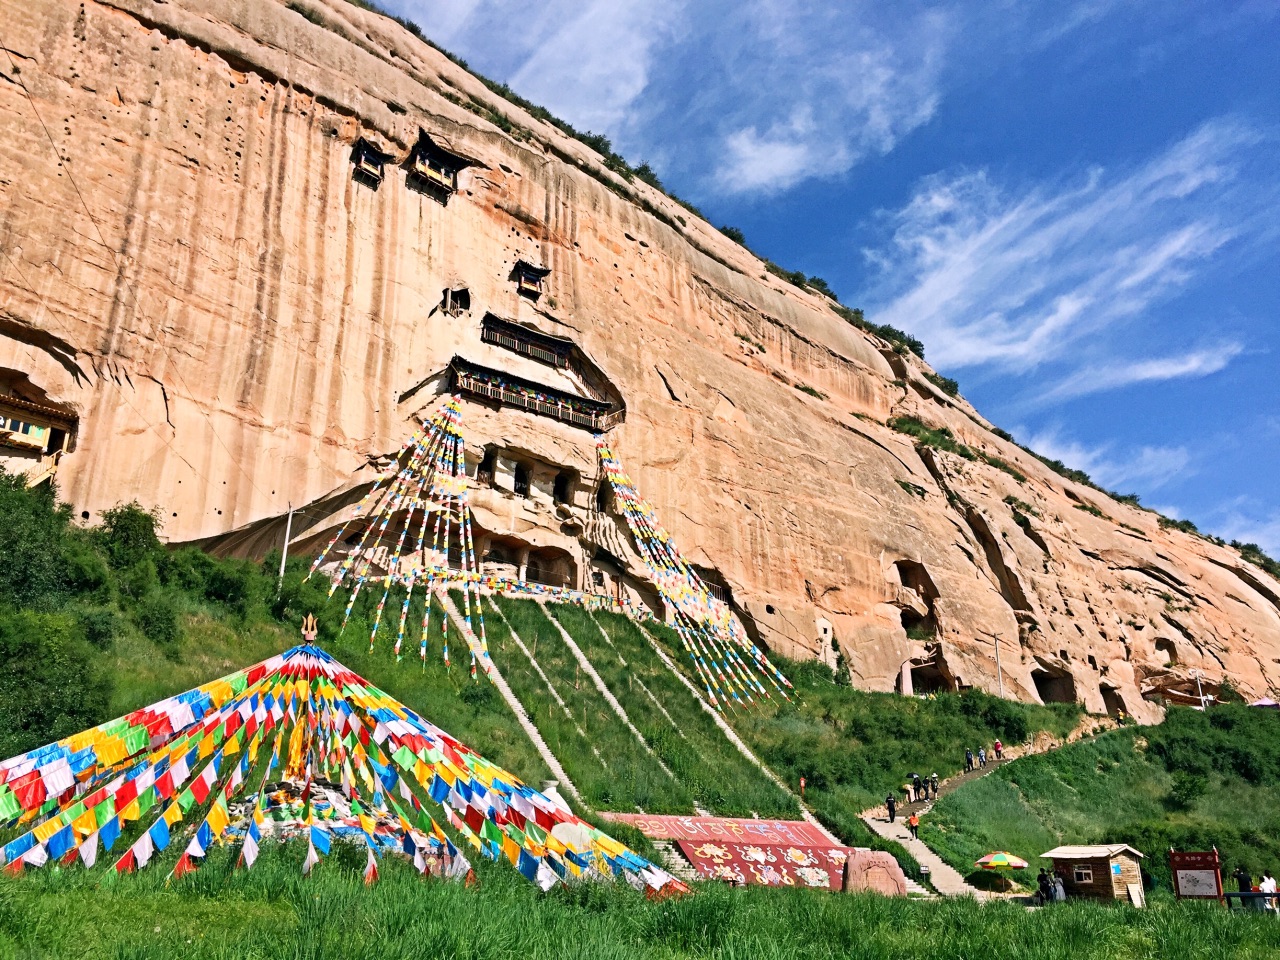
921	794
1244	882
1045	886
1268	885
1059	891
968	760
982	756
933	783
892	804
913	824
999	747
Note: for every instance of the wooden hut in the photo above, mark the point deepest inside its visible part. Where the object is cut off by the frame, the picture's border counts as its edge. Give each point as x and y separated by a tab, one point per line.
1101	872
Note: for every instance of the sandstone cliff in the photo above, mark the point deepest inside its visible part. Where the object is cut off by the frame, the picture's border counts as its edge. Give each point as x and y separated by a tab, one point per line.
237	323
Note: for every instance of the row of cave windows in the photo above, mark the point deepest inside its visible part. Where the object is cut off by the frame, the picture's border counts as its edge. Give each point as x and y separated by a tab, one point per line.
561	487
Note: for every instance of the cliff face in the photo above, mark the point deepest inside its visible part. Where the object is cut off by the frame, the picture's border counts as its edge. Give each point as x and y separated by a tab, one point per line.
238	324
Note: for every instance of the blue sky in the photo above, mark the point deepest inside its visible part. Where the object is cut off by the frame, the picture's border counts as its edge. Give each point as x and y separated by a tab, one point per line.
1075	205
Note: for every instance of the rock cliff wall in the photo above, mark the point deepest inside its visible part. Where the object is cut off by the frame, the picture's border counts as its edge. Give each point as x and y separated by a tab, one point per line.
238	324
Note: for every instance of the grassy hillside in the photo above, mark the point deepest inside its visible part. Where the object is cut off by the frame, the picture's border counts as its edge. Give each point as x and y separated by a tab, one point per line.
852	747
95	622
1197	781
273	911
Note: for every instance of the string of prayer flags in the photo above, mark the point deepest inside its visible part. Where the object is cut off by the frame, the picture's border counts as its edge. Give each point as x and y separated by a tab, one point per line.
425	488
712	636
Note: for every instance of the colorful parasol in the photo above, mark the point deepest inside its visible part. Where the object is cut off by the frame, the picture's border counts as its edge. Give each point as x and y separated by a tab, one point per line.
1001	860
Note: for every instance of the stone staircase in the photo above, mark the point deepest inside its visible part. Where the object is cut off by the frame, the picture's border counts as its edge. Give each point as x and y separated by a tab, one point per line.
673	861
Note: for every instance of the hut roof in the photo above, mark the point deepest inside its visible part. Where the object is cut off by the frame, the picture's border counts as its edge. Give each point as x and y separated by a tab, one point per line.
1095	852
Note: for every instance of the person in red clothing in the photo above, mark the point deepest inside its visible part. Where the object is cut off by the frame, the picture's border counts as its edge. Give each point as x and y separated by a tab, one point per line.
913	824
999	748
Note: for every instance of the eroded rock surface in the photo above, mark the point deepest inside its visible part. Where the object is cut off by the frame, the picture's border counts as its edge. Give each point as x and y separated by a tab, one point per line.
239	324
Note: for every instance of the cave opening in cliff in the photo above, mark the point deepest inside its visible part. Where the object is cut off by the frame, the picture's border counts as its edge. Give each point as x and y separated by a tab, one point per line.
455	301
926	674
1112	700
520	481
562	487
1054	686
1169	649
917	627
715	583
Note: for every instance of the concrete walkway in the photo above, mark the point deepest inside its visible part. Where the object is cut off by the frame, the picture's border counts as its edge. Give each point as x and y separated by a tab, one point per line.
945	878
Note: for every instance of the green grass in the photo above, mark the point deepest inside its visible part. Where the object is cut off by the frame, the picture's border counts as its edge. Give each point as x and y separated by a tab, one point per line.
608	765
1195	782
674	724
272	911
941	438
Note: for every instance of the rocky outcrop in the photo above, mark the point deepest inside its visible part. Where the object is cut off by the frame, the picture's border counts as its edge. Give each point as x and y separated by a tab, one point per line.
239	324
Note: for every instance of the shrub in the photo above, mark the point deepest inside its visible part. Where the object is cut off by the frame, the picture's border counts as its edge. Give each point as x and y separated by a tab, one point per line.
1186	526
945	384
101	626
128	533
157	618
51	685
734	234
33	534
1254	554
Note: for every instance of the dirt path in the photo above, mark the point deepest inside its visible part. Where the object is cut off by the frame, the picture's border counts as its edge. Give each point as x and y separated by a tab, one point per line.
945	878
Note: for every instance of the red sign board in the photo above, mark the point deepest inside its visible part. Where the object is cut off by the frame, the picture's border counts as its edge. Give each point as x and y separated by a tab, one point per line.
767	864
785	833
1196	875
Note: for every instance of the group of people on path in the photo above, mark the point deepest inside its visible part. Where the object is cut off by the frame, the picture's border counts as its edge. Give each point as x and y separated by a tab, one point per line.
1049	888
1245	884
973	762
919	789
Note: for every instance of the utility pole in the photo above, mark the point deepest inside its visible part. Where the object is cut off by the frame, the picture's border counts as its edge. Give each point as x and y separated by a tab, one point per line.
284	553
1200	691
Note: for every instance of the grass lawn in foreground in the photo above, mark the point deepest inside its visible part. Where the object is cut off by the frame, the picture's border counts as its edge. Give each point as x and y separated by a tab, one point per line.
274	912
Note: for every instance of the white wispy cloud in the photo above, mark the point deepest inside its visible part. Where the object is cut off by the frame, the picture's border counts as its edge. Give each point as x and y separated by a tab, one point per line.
1111	376
818	87
1244	522
754	97
987	275
1146	468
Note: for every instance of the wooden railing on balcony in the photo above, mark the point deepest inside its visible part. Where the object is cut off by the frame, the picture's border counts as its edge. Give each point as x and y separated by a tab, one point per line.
593	415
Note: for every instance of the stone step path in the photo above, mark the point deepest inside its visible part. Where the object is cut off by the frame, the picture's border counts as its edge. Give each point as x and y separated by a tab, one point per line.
944	877
942	874
674	862
531	731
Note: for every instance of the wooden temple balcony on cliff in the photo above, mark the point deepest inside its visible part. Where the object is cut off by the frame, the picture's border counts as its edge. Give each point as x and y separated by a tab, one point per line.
529	278
33	437
433	169
486	383
368	163
543	347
